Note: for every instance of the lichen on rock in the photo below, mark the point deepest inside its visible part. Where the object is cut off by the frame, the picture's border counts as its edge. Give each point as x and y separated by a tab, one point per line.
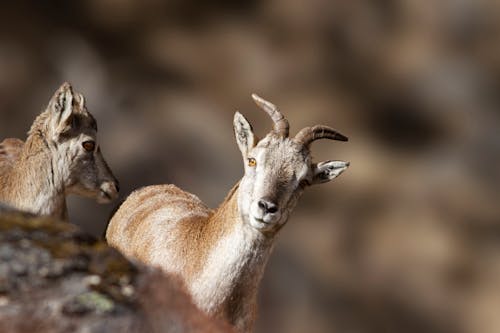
62	280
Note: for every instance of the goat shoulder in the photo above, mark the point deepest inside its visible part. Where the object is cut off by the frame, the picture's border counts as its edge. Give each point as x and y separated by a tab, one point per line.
171	212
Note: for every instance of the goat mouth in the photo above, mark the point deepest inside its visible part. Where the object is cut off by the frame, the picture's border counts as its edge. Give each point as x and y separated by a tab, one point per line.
263	222
267	218
105	196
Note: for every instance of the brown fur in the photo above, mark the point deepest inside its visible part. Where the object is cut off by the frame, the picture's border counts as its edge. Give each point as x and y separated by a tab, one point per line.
198	230
36	176
25	175
202	233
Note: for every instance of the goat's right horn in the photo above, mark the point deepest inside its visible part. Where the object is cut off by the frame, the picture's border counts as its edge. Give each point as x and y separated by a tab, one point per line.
309	134
281	126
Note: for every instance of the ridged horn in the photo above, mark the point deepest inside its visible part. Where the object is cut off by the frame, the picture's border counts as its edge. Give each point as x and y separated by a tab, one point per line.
281	126
309	134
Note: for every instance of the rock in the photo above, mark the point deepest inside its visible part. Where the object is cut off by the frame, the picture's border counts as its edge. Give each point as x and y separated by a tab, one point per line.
54	278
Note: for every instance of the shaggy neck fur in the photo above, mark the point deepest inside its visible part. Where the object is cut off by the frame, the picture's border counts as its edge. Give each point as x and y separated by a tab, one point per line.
233	267
35	183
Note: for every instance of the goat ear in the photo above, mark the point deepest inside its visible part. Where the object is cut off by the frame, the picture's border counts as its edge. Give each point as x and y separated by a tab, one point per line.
244	133
62	109
325	171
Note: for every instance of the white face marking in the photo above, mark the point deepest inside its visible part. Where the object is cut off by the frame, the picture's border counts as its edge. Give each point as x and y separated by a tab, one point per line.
277	169
269	189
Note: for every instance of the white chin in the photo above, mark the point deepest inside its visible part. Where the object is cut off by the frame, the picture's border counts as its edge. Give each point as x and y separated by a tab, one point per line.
260	225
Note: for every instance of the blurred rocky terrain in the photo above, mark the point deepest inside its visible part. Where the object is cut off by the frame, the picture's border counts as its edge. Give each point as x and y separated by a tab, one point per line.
55	278
407	240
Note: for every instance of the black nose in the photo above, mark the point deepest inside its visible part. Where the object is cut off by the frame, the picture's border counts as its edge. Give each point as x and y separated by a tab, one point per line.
267	206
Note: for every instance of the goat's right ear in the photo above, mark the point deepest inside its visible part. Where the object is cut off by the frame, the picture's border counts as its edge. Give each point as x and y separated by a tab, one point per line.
244	133
325	171
61	109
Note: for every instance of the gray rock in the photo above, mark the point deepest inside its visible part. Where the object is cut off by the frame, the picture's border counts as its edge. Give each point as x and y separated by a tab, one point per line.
54	278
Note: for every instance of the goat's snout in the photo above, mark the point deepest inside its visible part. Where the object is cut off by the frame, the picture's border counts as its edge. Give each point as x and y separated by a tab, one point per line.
267	206
108	191
265	212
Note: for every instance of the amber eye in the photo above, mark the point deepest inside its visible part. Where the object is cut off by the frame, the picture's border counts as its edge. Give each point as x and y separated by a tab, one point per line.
89	146
252	162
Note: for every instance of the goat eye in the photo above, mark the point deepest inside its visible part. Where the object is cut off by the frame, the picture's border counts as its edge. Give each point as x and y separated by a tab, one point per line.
252	162
89	146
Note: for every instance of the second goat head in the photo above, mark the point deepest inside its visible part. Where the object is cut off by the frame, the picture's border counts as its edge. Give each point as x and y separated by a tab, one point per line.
61	156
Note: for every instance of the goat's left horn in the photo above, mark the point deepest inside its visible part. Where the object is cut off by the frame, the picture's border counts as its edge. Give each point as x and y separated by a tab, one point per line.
281	126
309	134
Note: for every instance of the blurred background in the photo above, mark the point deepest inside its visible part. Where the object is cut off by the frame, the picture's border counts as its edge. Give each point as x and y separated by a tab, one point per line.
407	240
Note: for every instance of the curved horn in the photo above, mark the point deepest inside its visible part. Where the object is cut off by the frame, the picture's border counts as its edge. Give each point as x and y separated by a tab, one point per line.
309	134
281	126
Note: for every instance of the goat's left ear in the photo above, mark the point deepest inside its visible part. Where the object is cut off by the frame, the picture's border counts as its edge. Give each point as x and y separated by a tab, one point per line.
325	171
62	109
244	133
